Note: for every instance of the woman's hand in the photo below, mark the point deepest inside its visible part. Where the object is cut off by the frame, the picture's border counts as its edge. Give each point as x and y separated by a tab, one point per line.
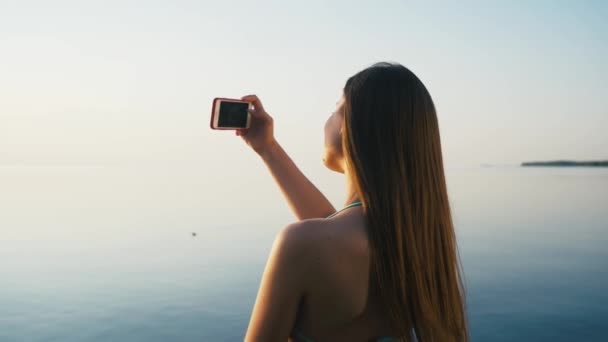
260	134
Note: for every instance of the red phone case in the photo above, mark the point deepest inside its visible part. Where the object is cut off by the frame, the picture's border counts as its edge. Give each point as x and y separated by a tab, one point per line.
215	100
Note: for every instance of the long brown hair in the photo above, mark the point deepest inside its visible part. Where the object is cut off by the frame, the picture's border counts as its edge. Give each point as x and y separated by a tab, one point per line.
393	152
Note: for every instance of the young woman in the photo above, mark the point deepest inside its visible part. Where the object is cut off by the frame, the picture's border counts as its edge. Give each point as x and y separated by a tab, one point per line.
385	267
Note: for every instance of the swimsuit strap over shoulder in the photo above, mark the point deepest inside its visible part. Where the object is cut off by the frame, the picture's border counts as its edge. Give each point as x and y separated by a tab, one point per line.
354	204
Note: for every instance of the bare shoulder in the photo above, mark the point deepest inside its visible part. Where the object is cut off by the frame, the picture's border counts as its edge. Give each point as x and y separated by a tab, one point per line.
305	237
316	242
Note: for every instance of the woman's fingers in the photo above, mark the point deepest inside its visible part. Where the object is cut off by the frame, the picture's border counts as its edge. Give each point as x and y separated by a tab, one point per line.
257	111
257	104
259	114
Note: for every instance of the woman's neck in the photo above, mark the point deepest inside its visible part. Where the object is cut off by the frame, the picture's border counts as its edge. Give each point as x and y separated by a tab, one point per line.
351	194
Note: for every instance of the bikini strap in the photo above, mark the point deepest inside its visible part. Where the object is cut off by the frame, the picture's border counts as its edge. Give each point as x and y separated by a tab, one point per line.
356	203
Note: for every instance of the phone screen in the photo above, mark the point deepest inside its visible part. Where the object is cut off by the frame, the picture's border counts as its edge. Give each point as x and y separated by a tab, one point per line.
233	114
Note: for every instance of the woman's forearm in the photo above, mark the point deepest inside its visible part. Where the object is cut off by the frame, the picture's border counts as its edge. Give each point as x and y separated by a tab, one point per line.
303	197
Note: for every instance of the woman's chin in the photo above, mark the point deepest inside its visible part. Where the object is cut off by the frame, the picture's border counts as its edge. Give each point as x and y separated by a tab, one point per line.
332	164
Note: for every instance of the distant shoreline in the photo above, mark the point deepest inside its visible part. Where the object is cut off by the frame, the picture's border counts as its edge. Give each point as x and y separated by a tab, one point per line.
593	163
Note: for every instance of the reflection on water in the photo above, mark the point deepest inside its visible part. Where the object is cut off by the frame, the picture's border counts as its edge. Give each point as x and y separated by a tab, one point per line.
107	253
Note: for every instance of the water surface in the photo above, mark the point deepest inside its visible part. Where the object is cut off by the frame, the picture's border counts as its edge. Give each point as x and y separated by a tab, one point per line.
106	253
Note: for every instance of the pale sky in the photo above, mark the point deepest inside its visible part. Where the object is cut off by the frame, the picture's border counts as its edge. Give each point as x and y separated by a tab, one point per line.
132	82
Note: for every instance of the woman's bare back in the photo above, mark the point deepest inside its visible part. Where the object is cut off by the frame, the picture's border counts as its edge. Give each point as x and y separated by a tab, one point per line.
337	306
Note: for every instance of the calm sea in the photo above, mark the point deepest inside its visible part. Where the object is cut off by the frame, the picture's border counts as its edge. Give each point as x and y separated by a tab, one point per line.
106	253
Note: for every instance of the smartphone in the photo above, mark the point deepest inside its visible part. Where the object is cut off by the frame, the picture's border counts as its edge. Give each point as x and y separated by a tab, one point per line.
230	114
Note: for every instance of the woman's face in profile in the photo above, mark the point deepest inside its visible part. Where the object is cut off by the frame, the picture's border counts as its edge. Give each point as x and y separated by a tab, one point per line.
333	156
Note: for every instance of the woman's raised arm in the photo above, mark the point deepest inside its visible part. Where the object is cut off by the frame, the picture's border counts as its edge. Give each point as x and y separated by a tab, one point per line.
303	197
